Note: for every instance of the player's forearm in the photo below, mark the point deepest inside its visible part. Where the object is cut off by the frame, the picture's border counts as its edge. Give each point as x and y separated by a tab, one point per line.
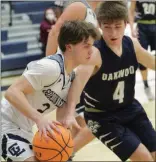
83	74
143	56
52	43
74	96
149	62
20	102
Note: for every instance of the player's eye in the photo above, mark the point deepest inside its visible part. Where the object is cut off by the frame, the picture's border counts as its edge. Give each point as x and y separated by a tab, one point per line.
106	27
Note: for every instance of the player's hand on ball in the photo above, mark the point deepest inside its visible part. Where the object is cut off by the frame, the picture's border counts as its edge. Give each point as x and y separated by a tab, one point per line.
66	119
45	124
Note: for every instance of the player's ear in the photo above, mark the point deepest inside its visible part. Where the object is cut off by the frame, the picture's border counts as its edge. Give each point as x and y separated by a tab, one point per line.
69	47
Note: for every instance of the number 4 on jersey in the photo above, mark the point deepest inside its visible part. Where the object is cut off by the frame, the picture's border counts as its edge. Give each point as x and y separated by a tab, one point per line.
119	92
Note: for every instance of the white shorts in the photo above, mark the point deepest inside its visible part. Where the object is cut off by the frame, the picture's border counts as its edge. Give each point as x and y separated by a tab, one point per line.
16	143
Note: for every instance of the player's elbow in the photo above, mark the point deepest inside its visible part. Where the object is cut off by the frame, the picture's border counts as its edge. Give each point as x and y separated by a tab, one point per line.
13	93
10	93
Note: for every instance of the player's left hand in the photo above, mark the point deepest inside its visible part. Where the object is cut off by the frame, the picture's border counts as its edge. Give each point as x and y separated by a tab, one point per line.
66	119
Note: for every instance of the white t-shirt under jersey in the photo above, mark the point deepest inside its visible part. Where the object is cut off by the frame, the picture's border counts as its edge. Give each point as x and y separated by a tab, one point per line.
51	83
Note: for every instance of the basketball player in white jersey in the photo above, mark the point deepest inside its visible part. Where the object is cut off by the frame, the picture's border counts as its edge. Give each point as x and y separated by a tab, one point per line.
42	88
75	10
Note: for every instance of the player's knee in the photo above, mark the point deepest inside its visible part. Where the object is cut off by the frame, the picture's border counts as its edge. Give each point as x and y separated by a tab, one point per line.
141	154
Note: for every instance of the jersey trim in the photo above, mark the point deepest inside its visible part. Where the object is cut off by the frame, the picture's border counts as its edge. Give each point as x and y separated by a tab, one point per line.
148	22
58	58
93	110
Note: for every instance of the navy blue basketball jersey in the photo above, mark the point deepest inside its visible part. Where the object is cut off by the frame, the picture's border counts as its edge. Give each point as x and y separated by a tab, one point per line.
146	10
112	86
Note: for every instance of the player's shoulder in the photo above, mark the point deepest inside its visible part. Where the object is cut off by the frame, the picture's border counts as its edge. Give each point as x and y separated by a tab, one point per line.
133	40
129	41
99	43
47	66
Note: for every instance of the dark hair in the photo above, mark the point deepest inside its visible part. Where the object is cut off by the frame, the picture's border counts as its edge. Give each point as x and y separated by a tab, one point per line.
109	11
73	32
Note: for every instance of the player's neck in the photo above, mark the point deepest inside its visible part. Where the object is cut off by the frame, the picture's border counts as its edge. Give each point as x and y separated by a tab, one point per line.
69	63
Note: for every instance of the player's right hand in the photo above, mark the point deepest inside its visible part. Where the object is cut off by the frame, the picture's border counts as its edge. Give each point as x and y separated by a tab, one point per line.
45	124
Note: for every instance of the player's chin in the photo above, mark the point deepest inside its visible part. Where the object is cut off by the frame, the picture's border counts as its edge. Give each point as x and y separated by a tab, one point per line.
85	60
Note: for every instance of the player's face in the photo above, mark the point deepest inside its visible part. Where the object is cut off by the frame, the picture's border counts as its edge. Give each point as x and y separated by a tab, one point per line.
82	51
113	32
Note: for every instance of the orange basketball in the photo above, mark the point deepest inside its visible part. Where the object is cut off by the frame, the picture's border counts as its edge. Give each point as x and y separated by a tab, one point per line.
59	149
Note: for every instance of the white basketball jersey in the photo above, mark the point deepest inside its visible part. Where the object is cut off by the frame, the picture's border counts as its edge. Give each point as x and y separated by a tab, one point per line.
51	83
90	15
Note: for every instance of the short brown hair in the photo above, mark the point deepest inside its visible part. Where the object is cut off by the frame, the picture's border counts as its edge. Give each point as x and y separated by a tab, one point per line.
73	32
109	11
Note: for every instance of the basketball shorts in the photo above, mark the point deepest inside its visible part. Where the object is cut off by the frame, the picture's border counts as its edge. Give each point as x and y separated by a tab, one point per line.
80	107
147	37
15	142
122	131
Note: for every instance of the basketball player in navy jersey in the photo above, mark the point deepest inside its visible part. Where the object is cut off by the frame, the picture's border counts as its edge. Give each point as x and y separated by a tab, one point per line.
146	27
42	88
111	112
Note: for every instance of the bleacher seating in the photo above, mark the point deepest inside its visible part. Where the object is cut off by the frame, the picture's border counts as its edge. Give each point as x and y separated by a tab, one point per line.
19	61
31	6
36	17
11	48
4	35
20	42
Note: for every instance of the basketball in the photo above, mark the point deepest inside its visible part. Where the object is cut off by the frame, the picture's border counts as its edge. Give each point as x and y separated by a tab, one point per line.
59	149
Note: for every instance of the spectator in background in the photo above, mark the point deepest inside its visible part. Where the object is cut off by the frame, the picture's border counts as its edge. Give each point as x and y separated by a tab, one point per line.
46	26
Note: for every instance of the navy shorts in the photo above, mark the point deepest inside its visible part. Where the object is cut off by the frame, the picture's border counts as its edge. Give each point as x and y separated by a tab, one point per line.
123	130
147	37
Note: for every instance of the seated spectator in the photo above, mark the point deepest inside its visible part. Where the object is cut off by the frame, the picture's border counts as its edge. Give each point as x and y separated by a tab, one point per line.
46	25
